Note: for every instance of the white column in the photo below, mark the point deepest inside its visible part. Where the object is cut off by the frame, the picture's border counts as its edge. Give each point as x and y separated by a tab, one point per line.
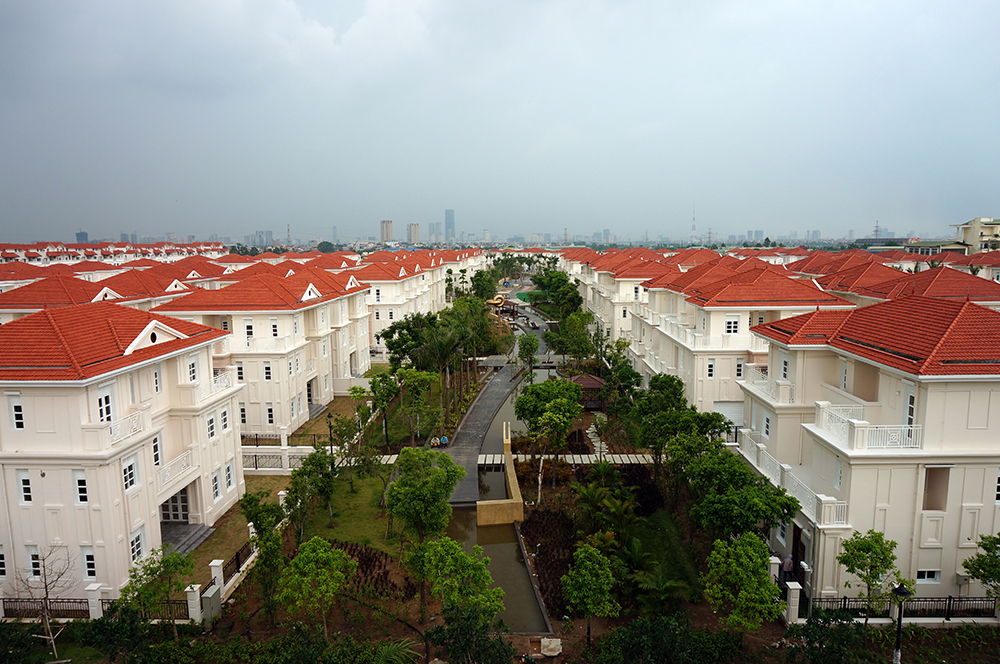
216	567
93	601
253	533
193	593
792	611
773	564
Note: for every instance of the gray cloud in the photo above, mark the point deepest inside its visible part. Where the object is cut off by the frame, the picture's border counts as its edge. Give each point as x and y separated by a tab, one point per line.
524	117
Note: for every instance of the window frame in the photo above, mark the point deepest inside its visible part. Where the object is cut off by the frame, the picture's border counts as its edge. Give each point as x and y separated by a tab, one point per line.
157	451
16	410
130	473
24	484
81	493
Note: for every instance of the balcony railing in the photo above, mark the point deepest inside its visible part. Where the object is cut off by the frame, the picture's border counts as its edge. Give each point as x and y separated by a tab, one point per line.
221	381
310	365
687	336
267	344
821	509
221	347
176	468
846	424
121	429
769	386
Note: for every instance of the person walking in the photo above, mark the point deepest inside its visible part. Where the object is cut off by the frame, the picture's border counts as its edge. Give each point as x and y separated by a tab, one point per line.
787	567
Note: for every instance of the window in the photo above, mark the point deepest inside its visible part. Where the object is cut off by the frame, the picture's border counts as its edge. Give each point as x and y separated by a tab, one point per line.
243	413
239	371
156	451
298	362
16	412
80	482
216	489
376	314
732	323
224	419
378	294
911	409
24	481
635	293
192	369
229	475
739	368
295	325
135	546
322	316
843	375
130	472
157	387
928	576
292	409
248	327
936	488
211	427
267	371
782	533
104	405
326	382
269	409
290	368
624	312
89	562
784	370
274	327
300	403
710	369
324	349
838	474
767	426
3	564
390	314
225	323
760	319
34	560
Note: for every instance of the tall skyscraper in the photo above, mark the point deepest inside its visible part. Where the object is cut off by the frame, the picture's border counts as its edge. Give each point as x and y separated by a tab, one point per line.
81	237
386	227
413	233
334	240
449	225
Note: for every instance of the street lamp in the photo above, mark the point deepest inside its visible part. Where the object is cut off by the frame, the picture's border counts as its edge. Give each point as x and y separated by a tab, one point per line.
329	426
902	593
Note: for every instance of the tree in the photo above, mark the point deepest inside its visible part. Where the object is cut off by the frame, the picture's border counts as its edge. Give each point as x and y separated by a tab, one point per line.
298	503
383	388
984	565
587	587
745	508
320	471
527	349
325	247
414	383
484	284
827	637
468	636
872	559
312	579
419	495
556	422
460	578
265	516
153	579
49	574
403	337
737	583
437	350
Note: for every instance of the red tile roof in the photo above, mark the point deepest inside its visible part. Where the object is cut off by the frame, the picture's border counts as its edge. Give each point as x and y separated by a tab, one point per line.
919	335
262	292
857	276
940	282
55	291
88	340
760	287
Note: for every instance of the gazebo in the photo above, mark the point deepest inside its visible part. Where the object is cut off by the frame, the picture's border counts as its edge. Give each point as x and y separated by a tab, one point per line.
592	386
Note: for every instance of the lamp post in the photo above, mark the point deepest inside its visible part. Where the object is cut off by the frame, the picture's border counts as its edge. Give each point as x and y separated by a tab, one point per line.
902	593
329	426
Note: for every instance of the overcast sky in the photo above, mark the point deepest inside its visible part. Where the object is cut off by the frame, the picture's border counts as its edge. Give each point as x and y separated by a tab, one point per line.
226	117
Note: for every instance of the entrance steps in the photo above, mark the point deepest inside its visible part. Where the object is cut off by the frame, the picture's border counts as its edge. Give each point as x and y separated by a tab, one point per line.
184	537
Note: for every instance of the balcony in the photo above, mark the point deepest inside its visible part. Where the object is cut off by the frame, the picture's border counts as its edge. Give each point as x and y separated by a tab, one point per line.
102	435
267	344
686	335
823	510
781	391
310	366
221	381
175	469
221	348
845	424
641	310
126	427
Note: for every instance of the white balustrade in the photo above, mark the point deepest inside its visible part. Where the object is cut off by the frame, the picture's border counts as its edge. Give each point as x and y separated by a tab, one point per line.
221	381
895	437
310	365
121	429
806	497
176	468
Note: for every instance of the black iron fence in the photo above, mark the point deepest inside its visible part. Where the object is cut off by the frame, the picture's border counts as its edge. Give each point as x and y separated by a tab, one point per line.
171	609
236	563
258	439
66	609
950	607
257	461
856	606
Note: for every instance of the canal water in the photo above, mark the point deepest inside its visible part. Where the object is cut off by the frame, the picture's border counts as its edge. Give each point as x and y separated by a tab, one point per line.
507	567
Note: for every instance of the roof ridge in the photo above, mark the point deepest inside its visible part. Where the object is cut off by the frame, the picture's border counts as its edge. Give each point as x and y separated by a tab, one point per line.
62	341
947	331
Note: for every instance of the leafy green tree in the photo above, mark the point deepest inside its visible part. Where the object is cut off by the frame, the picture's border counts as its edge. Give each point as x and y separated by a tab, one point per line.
383	388
527	349
299	503
313	578
737	583
17	643
984	564
468	636
556	422
484	284
872	559
120	634
154	578
655	640
403	337
588	586
265	515
419	495
461	579
756	506
414	384
325	247
533	400
438	346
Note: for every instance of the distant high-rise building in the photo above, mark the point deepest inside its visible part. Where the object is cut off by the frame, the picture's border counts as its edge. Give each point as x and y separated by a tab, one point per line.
413	233
486	235
386	228
758	236
850	235
82	237
135	238
607	235
749	236
124	237
334	238
449	225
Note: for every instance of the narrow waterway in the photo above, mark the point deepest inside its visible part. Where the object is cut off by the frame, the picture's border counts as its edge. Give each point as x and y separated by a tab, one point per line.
507	566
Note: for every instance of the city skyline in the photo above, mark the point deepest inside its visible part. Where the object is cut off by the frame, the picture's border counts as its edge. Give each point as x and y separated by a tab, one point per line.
524	118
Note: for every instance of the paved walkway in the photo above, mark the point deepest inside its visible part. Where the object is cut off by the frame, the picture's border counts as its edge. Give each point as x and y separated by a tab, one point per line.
464	447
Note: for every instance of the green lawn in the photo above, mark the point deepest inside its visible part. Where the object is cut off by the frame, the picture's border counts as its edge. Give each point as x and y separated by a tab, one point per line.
662	540
357	517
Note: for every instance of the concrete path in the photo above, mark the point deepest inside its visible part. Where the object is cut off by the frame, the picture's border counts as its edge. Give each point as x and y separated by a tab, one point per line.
464	447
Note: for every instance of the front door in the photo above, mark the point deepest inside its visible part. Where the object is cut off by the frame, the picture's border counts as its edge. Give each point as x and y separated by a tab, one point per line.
175	508
309	392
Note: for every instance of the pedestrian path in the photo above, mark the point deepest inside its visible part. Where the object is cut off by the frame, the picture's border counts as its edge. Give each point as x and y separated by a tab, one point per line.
586	459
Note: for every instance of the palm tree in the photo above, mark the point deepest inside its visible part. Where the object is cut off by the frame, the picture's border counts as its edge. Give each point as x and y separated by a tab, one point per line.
660	592
437	350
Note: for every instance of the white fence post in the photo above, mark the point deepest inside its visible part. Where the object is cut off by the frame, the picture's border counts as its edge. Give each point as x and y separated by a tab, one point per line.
774	564
216	567
792	610
94	605
193	593
253	533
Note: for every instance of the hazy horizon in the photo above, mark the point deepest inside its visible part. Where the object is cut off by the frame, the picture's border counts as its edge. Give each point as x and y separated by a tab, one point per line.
524	117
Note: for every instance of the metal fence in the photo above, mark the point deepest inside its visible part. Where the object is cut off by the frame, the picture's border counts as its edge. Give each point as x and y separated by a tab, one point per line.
308	440
258	439
235	564
258	461
58	608
170	609
857	606
950	607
